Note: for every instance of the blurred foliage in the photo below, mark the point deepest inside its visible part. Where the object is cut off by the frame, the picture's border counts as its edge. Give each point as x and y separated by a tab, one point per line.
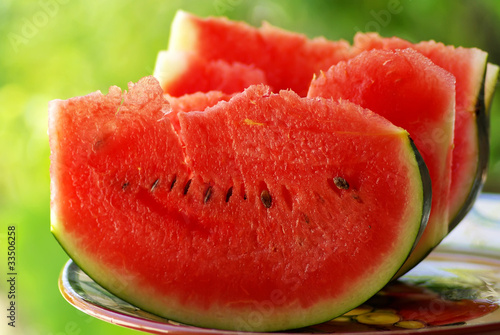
56	49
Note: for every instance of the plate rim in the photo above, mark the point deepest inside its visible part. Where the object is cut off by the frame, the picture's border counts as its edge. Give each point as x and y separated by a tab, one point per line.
157	327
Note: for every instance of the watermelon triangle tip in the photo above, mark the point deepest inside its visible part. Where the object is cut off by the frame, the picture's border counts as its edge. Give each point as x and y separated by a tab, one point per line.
183	32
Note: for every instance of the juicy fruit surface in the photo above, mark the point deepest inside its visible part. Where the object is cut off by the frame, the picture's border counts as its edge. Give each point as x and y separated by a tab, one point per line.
198	101
468	65
404	86
263	199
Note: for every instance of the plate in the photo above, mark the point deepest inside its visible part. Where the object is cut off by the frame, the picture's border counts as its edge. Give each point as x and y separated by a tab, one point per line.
455	290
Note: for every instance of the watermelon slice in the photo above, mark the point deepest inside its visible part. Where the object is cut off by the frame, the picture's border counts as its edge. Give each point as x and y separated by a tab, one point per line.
415	94
470	156
261	213
204	75
288	59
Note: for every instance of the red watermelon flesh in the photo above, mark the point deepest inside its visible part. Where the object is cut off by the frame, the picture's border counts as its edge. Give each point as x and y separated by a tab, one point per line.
470	155
262	213
415	94
204	75
289	60
198	101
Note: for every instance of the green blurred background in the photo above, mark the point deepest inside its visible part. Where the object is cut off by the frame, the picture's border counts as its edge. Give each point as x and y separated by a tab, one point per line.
56	49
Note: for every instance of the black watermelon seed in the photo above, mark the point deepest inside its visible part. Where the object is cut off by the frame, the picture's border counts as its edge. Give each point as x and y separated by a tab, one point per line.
173	183
125	185
186	188
341	183
266	199
229	193
155	184
208	194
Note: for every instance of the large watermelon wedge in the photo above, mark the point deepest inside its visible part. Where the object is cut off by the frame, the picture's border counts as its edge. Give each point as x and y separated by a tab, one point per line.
415	94
261	213
470	156
288	59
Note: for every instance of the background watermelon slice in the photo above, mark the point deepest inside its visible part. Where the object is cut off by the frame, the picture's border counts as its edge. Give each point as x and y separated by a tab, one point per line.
415	94
288	59
470	156
261	213
204	75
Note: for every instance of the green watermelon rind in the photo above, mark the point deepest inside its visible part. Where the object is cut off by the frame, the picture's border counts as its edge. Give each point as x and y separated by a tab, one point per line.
112	279
427	196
